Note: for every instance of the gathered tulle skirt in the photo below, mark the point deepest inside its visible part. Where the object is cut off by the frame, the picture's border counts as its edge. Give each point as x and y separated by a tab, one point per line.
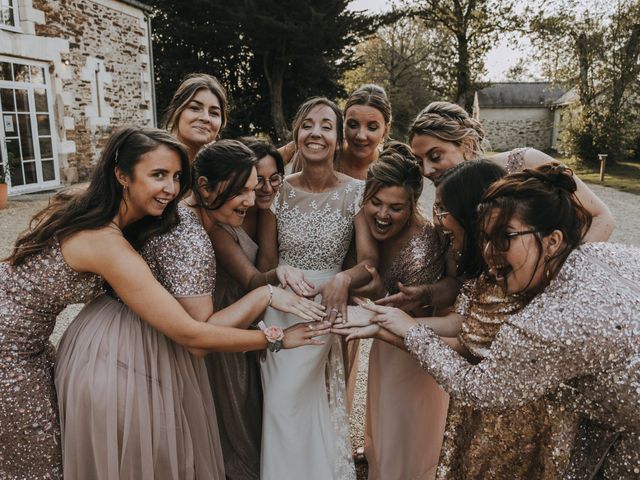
133	404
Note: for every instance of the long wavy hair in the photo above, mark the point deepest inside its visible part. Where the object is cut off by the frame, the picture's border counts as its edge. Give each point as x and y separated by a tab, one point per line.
96	206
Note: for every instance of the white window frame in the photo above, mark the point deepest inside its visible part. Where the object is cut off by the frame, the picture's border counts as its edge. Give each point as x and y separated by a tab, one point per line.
16	18
52	125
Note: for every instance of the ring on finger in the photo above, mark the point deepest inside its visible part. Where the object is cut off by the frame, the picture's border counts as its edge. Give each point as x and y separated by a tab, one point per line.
310	327
334	310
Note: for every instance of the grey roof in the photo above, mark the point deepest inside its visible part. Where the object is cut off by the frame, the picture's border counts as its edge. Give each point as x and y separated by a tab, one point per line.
519	95
142	6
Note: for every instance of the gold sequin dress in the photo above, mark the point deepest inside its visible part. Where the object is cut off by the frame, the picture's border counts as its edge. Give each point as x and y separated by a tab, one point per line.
235	382
579	339
31	297
532	441
406	409
133	403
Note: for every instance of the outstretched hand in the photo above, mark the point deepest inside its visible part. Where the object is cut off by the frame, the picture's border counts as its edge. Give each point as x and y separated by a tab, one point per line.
392	319
293	278
358	317
304	333
374	288
335	294
407	298
304	308
368	331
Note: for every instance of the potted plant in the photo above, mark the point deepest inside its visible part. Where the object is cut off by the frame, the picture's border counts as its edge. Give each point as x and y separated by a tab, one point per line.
4	189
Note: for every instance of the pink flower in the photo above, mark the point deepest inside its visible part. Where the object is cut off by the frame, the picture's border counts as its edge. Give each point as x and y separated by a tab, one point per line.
274	333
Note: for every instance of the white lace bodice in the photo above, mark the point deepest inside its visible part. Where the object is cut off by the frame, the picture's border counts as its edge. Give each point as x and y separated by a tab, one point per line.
315	229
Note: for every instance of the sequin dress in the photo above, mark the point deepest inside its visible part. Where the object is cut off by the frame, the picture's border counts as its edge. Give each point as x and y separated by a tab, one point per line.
235	382
533	441
579	339
406	409
133	403
305	429
31	297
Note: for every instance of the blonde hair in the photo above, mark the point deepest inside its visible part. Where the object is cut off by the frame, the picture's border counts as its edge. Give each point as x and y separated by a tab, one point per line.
451	123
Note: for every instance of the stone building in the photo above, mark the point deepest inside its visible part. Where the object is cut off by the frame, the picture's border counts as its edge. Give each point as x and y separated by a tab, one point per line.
70	71
517	114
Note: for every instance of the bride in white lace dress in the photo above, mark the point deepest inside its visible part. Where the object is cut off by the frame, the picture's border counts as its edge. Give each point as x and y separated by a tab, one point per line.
305	424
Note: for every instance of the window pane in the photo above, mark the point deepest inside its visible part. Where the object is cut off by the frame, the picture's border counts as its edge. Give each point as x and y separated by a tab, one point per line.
15	165
48	172
30	172
40	95
21	72
10	125
25	137
37	74
43	125
22	100
8	104
46	150
6	16
5	71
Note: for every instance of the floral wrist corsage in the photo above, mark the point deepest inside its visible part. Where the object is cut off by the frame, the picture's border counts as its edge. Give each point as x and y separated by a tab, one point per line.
275	336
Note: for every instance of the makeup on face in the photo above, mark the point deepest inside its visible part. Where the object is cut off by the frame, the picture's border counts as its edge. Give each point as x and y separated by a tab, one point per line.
388	212
436	156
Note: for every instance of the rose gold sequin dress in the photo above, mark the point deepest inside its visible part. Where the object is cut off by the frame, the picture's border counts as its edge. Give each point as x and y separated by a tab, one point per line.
532	441
31	297
579	340
406	409
133	403
235	382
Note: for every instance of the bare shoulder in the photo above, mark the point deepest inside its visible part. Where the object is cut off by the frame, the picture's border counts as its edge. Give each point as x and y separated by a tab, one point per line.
535	158
88	249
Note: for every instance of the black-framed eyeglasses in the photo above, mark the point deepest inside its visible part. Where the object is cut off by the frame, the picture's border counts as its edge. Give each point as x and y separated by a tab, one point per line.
274	180
439	212
503	243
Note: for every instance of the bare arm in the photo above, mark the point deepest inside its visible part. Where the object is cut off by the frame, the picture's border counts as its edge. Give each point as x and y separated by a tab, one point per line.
603	223
267	241
287	151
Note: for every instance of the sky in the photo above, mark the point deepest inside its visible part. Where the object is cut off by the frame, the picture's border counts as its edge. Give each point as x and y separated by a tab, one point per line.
498	60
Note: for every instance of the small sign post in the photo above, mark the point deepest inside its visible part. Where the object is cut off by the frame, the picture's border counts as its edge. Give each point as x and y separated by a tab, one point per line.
603	164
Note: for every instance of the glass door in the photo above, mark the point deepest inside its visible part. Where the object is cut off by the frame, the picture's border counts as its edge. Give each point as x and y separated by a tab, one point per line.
25	128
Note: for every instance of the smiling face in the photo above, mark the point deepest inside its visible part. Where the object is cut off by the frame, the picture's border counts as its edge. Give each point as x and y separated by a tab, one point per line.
364	129
436	156
451	227
388	212
267	175
199	123
515	254
317	137
155	181
233	211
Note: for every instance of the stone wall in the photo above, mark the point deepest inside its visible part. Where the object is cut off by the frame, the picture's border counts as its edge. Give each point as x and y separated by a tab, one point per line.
102	81
507	129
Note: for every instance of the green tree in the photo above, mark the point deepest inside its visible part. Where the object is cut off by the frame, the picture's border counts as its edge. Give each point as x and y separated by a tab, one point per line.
473	28
408	59
596	51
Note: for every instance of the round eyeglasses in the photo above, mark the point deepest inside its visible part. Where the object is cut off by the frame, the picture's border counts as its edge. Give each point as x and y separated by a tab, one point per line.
274	180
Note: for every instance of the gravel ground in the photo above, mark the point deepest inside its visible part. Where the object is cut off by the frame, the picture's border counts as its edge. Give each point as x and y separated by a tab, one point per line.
13	220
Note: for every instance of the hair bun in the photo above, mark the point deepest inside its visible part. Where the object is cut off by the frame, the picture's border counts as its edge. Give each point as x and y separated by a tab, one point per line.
557	175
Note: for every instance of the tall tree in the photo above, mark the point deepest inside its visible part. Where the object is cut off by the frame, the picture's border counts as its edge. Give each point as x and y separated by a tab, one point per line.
473	27
408	59
270	54
597	51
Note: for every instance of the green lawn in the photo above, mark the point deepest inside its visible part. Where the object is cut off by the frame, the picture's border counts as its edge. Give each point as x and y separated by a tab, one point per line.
623	176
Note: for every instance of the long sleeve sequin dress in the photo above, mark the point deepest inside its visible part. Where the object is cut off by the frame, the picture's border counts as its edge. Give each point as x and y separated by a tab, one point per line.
31	297
579	339
406	409
235	382
133	403
532	441
305	429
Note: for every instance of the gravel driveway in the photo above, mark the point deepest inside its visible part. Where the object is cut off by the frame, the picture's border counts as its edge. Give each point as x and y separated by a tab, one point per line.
625	208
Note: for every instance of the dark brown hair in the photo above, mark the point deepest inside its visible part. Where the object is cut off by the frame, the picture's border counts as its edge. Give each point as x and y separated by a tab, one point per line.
223	161
191	85
543	198
262	148
96	206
